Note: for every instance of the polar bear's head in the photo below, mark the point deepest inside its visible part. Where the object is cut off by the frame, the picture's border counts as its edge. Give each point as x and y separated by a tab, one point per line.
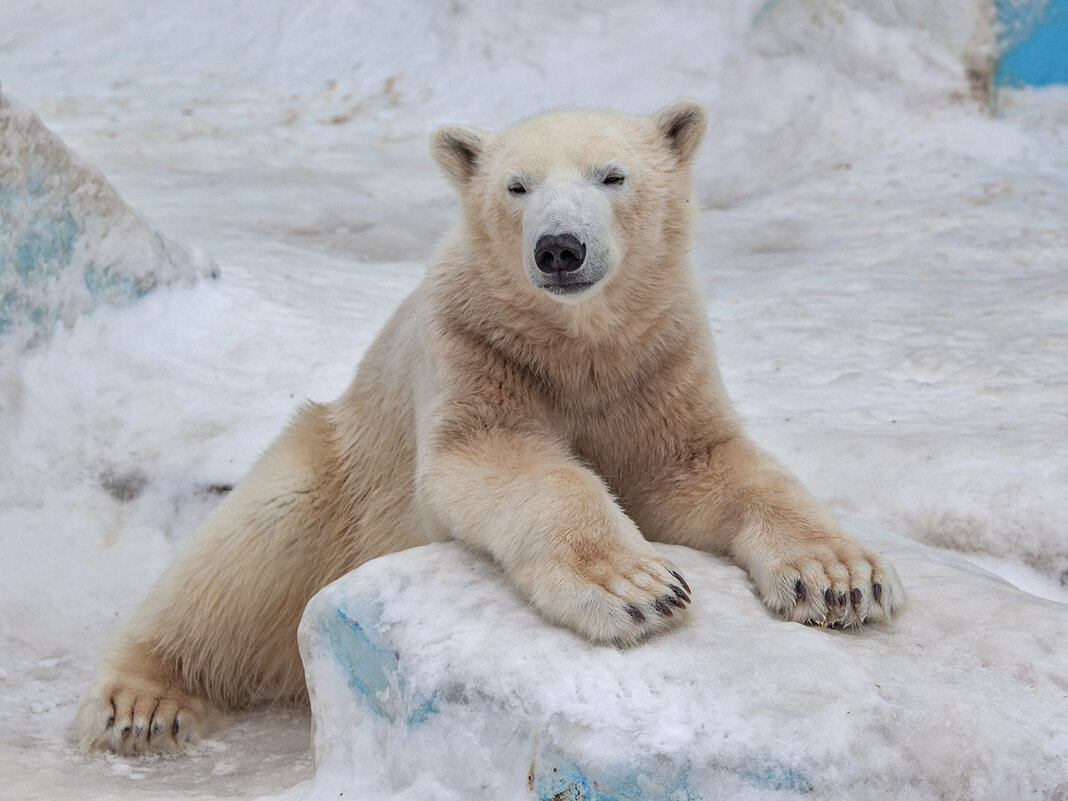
564	200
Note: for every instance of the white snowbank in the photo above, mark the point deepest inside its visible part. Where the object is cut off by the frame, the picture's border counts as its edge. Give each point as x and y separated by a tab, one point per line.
422	689
69	241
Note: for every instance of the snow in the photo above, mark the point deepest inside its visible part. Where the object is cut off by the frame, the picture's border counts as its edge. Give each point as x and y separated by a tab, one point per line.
414	696
884	261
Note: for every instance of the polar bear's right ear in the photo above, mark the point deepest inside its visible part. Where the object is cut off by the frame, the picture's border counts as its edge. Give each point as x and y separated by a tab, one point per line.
456	149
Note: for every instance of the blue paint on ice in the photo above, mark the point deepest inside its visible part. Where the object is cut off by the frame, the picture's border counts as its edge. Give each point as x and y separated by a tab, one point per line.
109	284
559	778
46	244
40	248
777	777
373	672
1034	41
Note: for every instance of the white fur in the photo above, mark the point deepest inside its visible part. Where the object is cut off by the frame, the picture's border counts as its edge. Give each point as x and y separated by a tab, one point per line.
570	203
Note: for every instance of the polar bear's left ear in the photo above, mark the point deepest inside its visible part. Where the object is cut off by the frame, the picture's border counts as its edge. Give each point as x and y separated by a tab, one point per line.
457	149
683	125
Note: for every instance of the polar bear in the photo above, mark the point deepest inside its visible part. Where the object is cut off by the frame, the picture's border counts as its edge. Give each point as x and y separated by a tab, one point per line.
548	395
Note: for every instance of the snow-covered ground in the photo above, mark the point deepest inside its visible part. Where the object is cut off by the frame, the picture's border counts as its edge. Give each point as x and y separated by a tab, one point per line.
886	265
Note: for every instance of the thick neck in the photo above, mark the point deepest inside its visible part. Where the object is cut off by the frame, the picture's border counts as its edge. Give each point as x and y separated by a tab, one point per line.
598	349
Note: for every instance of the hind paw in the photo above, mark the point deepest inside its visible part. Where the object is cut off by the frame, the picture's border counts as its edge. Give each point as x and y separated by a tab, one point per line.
140	717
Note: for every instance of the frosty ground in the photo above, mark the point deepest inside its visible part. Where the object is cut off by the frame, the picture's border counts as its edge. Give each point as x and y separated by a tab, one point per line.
884	261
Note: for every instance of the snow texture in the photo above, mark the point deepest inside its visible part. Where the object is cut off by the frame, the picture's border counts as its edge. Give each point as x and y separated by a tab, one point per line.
416	694
883	259
69	241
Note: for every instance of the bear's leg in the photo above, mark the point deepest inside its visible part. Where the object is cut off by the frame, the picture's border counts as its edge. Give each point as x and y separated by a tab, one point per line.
218	631
733	498
557	532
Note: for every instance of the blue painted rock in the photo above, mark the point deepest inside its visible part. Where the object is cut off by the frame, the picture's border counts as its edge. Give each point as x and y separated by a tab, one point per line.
69	241
430	678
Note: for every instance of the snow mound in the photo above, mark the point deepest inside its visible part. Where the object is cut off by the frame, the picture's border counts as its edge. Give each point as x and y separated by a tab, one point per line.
70	243
430	678
933	48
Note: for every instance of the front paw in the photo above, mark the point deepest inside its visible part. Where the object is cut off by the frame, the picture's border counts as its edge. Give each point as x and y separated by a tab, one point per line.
620	598
829	580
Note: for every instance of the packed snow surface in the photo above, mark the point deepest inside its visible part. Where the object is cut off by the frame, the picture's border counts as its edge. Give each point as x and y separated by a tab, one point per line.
884	260
415	697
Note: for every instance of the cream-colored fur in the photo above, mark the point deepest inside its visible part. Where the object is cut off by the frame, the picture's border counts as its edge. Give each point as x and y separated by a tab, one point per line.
555	419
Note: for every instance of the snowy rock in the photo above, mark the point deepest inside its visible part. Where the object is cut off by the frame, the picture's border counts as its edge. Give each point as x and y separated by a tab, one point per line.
431	678
68	242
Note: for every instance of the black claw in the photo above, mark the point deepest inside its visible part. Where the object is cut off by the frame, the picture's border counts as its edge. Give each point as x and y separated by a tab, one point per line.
680	594
175	727
799	588
842	599
682	581
877	591
156	729
125	731
110	721
635	613
828	596
662	608
856	595
671	599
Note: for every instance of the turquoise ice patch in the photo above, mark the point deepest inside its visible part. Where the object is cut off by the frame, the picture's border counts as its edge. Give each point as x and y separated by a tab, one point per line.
373	672
35	255
1034	41
558	778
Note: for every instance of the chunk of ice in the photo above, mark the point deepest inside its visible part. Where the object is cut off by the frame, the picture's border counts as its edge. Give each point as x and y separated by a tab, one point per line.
431	678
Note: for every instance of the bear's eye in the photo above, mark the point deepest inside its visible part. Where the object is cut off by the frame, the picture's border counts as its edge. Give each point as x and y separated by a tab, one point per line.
613	179
517	188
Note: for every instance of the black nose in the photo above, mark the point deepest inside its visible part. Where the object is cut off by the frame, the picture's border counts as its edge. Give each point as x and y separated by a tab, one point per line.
559	253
